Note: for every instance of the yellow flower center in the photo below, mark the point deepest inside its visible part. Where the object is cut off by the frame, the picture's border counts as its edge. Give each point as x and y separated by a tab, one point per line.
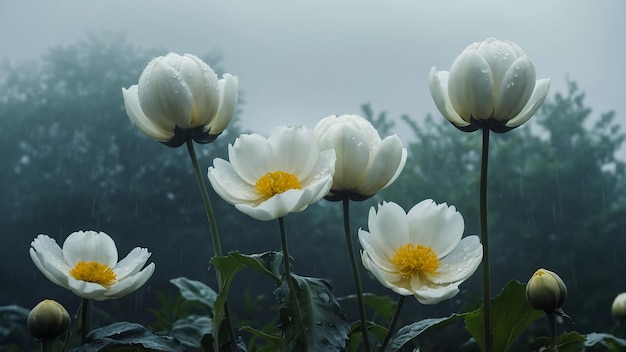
418	260
94	272
273	183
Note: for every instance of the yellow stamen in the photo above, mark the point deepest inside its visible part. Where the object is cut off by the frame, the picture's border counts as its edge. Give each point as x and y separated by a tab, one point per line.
94	272
418	260
273	183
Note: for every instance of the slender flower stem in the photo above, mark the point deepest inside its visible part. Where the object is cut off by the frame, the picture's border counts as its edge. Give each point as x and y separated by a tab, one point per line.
552	323
217	247
44	346
355	272
290	283
485	241
394	322
84	320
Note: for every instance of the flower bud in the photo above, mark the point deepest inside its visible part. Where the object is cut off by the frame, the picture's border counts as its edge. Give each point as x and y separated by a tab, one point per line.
546	291
618	309
48	320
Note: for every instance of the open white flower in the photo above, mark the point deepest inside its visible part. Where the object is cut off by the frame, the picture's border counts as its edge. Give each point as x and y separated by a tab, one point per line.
490	84
87	265
268	178
421	252
365	163
180	97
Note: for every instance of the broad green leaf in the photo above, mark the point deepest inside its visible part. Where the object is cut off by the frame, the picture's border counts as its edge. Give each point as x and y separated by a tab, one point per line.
511	315
275	343
611	342
566	342
383	305
356	336
191	329
266	263
193	290
323	319
127	336
411	331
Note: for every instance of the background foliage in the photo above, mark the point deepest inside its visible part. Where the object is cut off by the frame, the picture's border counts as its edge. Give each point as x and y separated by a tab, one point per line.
72	161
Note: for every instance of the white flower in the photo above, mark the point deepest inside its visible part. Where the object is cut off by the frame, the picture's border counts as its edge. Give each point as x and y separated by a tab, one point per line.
421	252
618	308
546	291
87	265
180	97
269	178
490	84
365	163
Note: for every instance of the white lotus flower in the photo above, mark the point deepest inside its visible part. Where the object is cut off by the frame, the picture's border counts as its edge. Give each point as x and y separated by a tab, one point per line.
269	178
421	252
87	265
180	97
365	163
490	84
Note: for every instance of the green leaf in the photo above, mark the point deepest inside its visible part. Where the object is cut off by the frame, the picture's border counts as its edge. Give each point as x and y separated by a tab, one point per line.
195	291
127	336
356	335
411	331
566	342
383	306
275	343
511	315
607	340
267	263
323	319
190	330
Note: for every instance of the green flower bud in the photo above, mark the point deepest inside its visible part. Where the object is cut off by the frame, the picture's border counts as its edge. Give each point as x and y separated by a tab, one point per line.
48	320
546	291
618	309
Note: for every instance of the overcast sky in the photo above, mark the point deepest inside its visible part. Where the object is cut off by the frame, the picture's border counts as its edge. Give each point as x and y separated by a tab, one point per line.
299	61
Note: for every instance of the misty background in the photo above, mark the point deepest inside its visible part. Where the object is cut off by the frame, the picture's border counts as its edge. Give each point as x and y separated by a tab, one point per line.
74	161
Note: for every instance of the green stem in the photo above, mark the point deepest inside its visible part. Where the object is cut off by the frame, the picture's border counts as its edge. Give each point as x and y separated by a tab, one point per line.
44	346
84	320
552	323
394	322
290	283
485	241
355	272
214	235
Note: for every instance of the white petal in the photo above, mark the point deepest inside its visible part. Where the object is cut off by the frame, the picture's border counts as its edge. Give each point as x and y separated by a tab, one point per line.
228	104
48	269
88	290
89	246
383	277
164	96
160	132
295	149
389	159
517	85
203	85
131	265
438	82
471	86
461	263
228	185
388	228
293	200
251	157
435	225
429	295
381	254
536	99
352	152
48	257
130	284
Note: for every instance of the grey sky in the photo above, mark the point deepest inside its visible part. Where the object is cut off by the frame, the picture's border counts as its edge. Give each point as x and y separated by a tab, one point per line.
299	61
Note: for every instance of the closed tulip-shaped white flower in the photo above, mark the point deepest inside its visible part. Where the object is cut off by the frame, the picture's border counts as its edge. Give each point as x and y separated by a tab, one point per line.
181	97
267	178
87	265
491	84
419	253
546	291
618	308
365	163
